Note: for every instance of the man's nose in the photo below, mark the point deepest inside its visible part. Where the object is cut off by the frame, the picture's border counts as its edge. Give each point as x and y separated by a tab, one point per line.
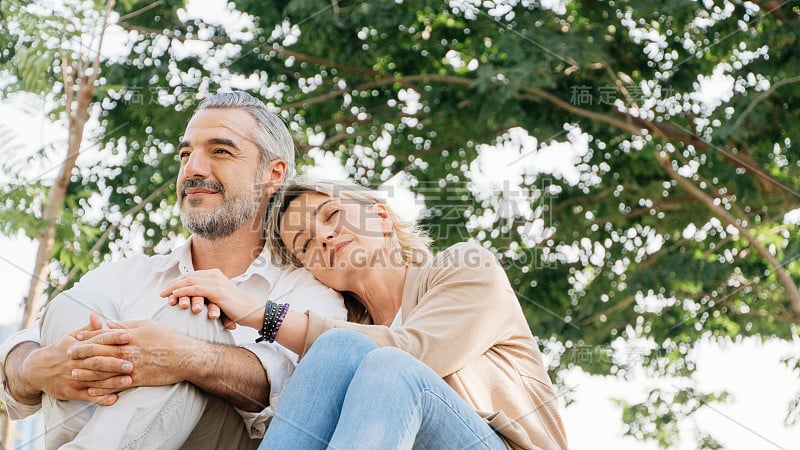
197	165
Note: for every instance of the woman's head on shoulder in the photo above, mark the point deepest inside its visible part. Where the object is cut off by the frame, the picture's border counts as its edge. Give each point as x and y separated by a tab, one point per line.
337	226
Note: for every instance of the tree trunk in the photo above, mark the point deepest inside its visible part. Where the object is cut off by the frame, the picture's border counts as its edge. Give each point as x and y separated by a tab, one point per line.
77	110
55	201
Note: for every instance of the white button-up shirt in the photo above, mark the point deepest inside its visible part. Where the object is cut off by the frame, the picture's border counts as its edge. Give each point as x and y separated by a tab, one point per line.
132	287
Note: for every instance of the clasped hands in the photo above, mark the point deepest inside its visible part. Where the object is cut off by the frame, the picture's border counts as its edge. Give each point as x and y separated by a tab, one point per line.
100	362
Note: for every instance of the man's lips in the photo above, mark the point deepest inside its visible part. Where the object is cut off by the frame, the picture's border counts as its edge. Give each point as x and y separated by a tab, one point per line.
199	191
336	249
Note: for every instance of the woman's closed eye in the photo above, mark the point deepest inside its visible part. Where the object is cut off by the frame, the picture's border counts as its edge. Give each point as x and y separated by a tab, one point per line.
331	215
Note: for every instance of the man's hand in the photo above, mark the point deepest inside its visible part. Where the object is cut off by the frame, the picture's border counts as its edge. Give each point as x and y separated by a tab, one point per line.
159	354
31	370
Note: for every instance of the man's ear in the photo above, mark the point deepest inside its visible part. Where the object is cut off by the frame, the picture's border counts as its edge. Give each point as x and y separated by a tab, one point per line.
273	177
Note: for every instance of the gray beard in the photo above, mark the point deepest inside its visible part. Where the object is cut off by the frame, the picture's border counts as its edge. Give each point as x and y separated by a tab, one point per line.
222	221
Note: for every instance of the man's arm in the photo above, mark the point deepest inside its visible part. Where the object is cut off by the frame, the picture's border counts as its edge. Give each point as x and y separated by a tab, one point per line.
161	355
233	373
30	369
22	387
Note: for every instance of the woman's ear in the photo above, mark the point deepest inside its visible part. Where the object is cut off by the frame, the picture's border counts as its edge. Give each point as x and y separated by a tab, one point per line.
387	225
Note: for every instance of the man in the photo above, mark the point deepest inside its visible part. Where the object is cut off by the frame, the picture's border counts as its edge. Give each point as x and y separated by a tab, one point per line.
231	145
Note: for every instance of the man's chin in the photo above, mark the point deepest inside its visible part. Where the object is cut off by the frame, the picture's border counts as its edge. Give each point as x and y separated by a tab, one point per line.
197	202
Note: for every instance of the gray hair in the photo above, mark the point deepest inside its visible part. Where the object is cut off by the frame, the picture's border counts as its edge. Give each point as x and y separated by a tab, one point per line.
271	134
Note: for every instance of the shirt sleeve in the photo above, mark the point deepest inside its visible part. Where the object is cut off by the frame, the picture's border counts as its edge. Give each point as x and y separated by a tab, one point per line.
15	409
91	293
279	365
303	293
466	289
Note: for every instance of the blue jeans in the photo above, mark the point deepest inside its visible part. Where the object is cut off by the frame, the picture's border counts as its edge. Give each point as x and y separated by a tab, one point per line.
349	394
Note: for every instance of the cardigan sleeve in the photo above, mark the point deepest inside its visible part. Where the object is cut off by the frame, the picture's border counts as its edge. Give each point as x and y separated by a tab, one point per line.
465	310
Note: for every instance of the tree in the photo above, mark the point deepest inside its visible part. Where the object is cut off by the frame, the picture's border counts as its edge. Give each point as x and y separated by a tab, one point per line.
79	71
46	52
668	226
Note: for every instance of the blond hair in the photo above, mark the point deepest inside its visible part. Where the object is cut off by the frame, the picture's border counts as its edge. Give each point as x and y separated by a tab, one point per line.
407	237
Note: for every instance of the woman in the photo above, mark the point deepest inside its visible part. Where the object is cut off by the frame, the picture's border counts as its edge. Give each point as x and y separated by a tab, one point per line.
436	352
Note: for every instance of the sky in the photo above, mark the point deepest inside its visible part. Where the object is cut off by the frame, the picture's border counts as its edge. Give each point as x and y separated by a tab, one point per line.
760	385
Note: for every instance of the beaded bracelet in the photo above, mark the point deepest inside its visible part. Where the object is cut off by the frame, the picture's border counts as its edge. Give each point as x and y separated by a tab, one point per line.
281	316
274	314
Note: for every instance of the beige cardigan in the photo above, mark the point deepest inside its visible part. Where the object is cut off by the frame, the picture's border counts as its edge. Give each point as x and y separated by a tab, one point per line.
462	319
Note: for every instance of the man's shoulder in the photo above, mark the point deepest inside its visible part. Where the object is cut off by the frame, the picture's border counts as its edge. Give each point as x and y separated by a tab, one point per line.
133	263
296	275
298	287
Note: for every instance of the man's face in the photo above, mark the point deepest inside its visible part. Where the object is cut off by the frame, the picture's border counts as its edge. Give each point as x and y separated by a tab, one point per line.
218	189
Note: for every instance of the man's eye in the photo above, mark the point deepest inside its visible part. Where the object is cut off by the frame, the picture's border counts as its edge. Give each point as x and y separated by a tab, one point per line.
182	155
221	151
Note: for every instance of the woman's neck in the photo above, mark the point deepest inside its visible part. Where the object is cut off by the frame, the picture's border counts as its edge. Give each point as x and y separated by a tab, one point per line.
380	290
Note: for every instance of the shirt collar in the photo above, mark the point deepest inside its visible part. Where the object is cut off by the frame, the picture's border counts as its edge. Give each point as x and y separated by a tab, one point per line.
181	255
263	265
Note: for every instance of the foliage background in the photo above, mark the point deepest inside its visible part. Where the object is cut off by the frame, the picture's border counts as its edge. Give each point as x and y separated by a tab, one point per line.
633	164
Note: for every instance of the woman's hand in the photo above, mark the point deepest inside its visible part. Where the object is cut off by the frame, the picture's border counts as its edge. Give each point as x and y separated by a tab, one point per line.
225	300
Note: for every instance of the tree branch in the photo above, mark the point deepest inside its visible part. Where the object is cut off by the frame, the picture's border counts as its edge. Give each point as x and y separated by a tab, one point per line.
741	160
725	216
624	121
377	83
620	86
773	7
283	52
324	62
141	10
536	94
765	94
581	199
619	306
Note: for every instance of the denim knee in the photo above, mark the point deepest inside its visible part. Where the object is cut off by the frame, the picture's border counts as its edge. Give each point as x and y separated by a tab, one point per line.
390	360
340	347
339	338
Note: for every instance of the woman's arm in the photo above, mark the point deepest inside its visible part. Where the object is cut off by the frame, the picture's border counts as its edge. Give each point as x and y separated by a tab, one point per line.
194	288
468	306
465	310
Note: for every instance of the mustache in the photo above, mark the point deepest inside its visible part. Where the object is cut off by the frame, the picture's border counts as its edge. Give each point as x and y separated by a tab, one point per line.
194	183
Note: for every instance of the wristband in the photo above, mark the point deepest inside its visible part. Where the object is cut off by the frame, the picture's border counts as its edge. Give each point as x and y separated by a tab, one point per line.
274	314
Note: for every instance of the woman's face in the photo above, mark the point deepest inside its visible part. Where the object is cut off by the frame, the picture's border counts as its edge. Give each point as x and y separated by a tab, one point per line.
336	238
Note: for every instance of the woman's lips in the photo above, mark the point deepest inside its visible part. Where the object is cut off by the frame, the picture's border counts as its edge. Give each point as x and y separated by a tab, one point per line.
335	250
